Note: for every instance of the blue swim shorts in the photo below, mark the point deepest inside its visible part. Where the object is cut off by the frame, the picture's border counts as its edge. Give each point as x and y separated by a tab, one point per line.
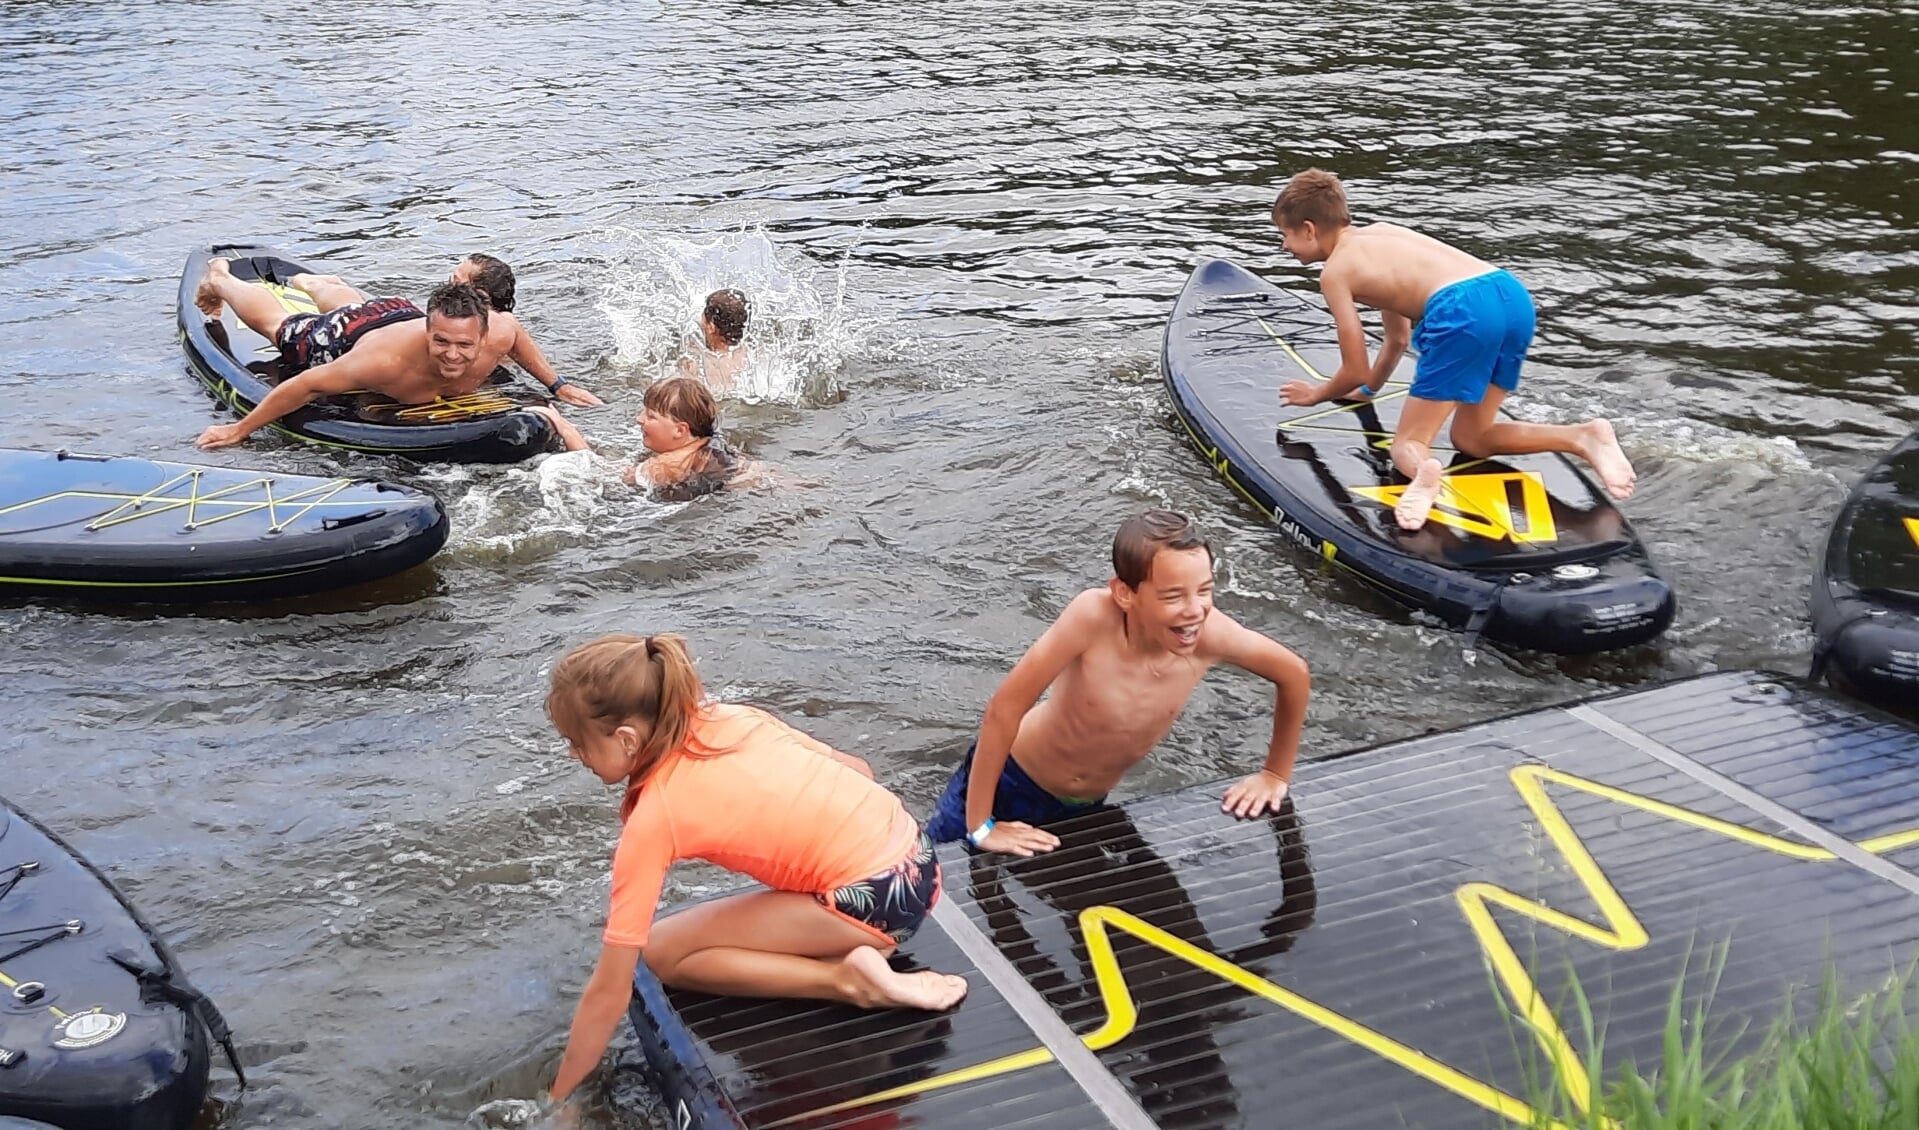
1017	798
1474	333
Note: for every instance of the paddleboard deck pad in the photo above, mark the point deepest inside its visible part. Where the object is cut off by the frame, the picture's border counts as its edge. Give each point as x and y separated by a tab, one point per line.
99	1030
239	368
134	529
1865	596
1524	549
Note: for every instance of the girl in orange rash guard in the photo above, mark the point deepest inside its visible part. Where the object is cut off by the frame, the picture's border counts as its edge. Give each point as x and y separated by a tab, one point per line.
850	873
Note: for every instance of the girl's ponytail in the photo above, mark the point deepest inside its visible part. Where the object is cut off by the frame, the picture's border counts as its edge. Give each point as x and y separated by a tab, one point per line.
676	696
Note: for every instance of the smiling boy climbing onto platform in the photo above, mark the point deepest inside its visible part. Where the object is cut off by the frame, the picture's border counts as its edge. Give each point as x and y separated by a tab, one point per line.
1120	661
1474	325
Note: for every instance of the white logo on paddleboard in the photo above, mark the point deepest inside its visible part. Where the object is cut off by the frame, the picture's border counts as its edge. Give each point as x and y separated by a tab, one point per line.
86	1029
1575	572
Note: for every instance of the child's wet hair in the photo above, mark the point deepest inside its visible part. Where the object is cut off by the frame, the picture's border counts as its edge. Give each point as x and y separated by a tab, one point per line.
493	279
686	400
1142	536
1314	196
727	310
621	679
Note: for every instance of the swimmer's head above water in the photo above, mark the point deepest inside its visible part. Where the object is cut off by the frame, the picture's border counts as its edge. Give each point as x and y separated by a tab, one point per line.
723	320
1163	579
490	276
676	412
623	702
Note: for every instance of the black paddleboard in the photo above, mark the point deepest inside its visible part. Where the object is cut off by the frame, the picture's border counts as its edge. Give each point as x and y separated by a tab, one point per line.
239	368
99	1029
1865	597
1525	549
133	529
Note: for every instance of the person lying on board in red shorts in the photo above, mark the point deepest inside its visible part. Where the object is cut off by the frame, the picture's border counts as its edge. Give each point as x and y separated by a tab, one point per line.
383	345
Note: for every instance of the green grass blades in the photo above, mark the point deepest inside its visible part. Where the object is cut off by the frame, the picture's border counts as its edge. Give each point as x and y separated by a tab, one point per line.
1832	1062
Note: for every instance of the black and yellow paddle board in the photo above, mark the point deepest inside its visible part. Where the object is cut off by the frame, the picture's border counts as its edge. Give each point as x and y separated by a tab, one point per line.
132	529
99	1029
239	368
1525	549
1865	597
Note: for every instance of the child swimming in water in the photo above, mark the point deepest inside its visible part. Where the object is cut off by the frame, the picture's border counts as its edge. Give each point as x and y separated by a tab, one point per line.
720	353
678	424
850	874
1120	661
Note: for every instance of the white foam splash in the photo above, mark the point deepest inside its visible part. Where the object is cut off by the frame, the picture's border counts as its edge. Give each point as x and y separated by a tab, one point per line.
799	331
554	499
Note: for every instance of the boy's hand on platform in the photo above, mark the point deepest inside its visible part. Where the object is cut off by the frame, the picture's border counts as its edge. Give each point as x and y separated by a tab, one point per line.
1015	838
1300	392
1254	796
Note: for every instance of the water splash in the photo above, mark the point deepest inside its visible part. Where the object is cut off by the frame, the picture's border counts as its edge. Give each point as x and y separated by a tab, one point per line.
530	510
800	331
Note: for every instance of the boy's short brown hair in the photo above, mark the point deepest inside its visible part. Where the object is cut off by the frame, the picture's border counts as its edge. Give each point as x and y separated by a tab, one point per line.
1314	195
686	400
1142	536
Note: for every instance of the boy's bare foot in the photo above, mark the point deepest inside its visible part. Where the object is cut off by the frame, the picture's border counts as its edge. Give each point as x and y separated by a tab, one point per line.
207	298
1417	501
879	985
1601	449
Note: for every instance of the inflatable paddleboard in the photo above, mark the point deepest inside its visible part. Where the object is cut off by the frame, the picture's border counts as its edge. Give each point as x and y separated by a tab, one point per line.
1865	596
239	368
102	527
1525	549
99	1030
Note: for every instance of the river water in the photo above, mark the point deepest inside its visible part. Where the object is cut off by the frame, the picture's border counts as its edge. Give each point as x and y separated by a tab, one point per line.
963	224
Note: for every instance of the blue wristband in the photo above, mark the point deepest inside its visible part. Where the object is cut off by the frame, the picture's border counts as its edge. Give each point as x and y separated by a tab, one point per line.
557	385
976	835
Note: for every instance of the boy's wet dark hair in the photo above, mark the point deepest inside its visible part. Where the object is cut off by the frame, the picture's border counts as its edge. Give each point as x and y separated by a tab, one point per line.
727	309
686	400
457	300
1314	195
1141	537
494	279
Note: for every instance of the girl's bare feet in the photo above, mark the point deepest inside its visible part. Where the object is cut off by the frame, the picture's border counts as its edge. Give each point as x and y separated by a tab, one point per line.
878	985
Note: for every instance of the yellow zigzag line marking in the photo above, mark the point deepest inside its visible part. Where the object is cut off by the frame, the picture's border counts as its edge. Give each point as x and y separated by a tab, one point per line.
1622	931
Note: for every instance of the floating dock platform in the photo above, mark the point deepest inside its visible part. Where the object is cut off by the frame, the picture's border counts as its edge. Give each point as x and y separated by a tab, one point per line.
1358	960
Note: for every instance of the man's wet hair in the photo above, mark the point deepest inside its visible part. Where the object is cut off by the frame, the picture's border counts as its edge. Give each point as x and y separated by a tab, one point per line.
686	400
727	310
494	279
1314	195
1142	536
457	300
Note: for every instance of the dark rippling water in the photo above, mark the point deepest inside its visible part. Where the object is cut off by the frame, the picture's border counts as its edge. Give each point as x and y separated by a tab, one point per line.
965	222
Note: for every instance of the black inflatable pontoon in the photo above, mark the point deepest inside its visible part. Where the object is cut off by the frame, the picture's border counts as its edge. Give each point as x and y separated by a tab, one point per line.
99	1030
1525	549
1865	596
240	367
134	529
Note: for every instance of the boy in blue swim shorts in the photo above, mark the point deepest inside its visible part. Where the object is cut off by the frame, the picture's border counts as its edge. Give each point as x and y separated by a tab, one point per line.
1115	671
1471	323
